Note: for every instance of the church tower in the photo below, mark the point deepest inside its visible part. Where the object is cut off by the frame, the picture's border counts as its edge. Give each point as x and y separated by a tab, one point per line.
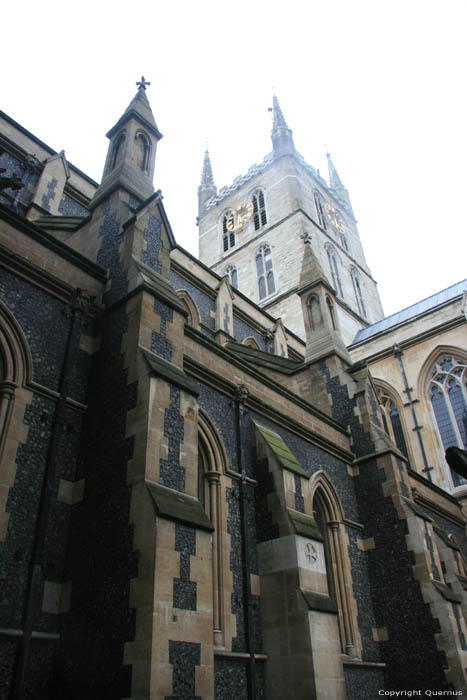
251	231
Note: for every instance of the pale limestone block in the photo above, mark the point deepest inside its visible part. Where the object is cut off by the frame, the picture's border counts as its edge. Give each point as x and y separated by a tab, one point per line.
71	492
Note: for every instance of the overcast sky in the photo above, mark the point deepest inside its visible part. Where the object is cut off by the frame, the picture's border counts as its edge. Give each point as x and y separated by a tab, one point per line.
381	84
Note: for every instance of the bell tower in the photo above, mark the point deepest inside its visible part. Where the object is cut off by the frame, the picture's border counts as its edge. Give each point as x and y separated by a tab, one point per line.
131	156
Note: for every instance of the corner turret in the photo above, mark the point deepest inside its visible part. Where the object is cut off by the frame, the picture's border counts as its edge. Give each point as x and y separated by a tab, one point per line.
131	156
281	135
318	299
335	183
207	188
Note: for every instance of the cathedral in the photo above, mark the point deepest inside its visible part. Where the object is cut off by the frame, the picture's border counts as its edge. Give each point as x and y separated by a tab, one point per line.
228	477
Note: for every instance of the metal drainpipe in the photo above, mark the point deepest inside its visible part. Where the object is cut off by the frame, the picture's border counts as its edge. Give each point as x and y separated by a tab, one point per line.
398	354
78	305
241	397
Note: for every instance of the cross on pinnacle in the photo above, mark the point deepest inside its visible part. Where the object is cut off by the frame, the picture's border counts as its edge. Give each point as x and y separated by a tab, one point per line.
143	84
306	237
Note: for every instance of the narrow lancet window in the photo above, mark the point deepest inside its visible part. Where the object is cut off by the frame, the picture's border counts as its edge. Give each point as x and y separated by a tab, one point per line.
265	272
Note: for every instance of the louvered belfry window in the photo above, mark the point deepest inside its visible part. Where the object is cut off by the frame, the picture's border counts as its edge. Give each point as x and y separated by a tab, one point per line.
259	210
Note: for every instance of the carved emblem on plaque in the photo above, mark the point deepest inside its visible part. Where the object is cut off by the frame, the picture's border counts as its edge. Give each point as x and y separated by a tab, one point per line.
311	554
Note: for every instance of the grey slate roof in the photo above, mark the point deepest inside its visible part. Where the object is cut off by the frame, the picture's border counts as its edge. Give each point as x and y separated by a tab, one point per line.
411	312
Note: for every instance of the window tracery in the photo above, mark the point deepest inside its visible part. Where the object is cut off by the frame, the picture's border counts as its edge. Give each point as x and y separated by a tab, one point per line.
392	420
232	274
447	393
265	272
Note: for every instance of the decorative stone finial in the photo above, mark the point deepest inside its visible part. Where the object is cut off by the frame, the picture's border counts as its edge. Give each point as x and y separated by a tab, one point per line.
306	238
143	84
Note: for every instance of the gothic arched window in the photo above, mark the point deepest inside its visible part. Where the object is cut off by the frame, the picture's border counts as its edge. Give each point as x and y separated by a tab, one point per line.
344	243
357	287
228	236
232	274
447	393
259	209
265	272
336	280
392	421
142	148
329	518
117	150
319	209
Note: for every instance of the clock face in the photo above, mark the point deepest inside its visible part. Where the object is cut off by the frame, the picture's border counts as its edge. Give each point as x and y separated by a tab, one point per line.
335	218
237	218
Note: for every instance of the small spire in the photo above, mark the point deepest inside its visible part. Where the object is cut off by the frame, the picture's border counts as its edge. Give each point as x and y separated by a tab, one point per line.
311	272
278	120
281	135
334	179
207	179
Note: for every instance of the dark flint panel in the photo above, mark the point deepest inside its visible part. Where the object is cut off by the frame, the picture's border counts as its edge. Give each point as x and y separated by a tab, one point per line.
231	680
413	660
184	656
362	592
23	506
45	323
204	303
101	561
152	236
242	331
70	207
343	412
111	235
172	474
364	683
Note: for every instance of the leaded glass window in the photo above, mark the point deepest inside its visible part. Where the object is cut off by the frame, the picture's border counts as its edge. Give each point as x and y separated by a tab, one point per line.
265	272
259	210
447	392
392	421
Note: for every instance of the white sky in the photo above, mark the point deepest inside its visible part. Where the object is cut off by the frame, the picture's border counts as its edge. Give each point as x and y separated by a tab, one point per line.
381	84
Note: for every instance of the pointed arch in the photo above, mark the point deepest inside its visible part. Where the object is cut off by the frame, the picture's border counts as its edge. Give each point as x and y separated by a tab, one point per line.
117	150
213	464
443	386
329	515
334	264
142	150
228	232
15	376
194	318
250	342
392	413
265	271
319	205
15	355
358	291
259	209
